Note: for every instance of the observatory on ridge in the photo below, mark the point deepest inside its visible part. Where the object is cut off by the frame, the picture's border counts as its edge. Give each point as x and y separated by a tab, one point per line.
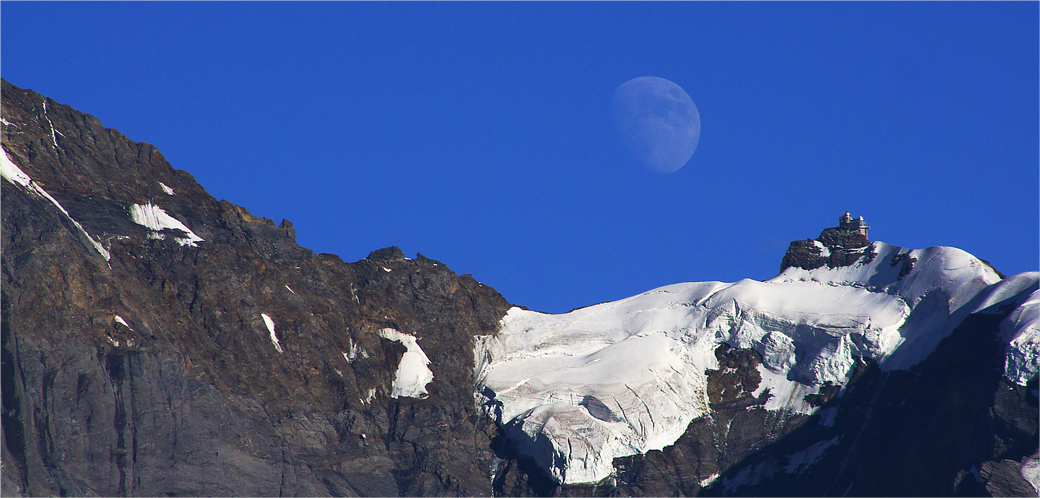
853	225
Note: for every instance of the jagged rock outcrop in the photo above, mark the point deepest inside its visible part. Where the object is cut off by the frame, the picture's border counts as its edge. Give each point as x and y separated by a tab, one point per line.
139	362
838	246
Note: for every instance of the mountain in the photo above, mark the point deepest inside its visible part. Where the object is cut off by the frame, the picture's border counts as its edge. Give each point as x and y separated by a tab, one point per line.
881	377
158	341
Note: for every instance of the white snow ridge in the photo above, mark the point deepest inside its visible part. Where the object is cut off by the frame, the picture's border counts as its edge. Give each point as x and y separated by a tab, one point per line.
579	389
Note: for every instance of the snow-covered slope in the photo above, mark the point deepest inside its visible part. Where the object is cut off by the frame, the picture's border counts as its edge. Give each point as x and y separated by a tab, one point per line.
580	389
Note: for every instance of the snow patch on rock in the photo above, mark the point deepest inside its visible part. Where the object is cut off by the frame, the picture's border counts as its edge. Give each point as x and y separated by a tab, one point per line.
270	328
369	396
157	219
356	350
168	190
825	251
54	133
413	373
14	174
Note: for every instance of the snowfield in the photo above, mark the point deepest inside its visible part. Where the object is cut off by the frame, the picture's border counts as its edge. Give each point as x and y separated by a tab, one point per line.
579	389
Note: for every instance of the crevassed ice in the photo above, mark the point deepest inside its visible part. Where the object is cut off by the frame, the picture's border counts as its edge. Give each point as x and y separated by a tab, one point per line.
157	219
1021	329
413	373
580	389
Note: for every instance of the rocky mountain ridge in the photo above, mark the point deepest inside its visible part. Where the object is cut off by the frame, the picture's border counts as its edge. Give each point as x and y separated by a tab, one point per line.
135	364
158	341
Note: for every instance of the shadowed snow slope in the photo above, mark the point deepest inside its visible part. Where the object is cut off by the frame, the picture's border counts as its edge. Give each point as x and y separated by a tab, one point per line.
580	389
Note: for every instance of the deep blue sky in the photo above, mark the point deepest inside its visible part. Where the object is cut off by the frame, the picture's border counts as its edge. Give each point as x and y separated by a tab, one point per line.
478	133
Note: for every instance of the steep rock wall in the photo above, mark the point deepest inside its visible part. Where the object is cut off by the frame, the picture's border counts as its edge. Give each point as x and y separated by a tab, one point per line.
154	371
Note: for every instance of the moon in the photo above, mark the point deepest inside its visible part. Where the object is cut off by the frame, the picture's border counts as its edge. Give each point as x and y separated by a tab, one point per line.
657	121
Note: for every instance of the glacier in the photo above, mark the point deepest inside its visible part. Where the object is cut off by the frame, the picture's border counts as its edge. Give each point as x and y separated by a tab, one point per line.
577	390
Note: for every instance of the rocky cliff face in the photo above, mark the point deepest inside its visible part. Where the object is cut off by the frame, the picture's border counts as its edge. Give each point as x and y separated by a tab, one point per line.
157	341
139	362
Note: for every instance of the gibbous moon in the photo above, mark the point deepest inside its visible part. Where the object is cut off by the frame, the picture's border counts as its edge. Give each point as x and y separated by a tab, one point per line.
657	121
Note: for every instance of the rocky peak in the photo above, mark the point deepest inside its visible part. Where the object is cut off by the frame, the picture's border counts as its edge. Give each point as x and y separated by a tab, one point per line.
137	307
392	253
838	246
